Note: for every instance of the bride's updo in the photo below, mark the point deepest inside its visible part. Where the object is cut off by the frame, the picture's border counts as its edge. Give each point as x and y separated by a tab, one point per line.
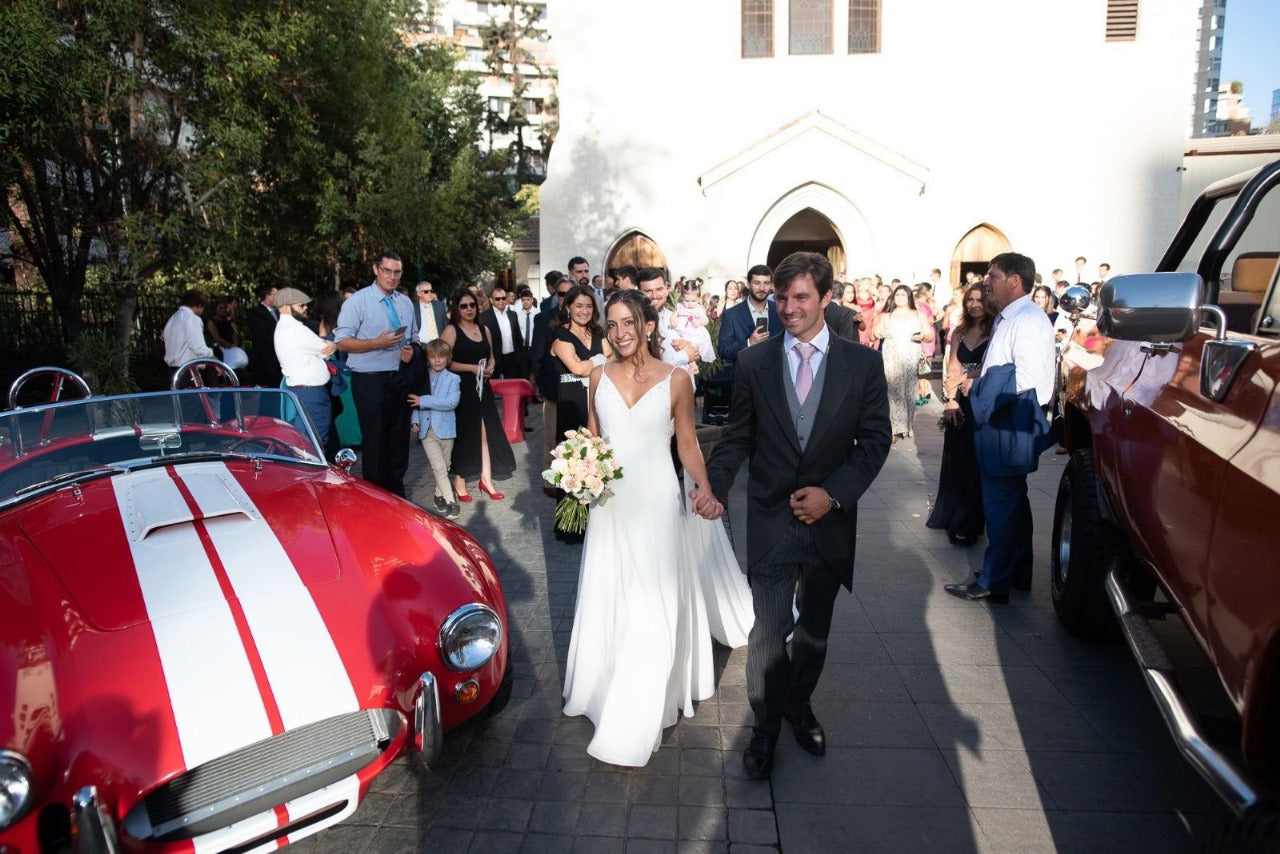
643	312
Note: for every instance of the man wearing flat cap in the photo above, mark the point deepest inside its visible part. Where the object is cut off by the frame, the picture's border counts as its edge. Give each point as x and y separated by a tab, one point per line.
302	359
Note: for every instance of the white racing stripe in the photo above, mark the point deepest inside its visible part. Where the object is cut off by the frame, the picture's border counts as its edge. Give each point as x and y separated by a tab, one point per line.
307	676
216	704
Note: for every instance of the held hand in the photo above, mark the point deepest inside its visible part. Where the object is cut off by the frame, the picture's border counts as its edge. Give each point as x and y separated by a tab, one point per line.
758	336
488	369
329	347
704	503
387	339
406	353
413	427
413	400
810	503
953	415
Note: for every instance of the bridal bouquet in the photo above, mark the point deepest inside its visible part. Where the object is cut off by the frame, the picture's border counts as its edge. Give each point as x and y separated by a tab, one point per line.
582	465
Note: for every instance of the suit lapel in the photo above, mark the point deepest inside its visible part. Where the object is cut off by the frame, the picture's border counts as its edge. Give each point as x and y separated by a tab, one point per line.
773	386
835	387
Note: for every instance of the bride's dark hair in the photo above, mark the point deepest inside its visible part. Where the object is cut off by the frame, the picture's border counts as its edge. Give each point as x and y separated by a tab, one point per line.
642	310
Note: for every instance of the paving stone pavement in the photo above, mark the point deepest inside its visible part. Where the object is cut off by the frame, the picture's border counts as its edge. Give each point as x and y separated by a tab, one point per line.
951	726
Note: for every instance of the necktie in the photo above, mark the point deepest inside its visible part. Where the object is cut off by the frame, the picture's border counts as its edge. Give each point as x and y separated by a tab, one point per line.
528	329
428	331
392	317
804	374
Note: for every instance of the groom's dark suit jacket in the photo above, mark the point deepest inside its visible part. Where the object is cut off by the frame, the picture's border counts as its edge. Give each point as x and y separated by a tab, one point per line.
847	446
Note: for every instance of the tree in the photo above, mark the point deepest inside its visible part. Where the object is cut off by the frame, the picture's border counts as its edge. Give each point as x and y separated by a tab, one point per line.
89	141
283	142
507	36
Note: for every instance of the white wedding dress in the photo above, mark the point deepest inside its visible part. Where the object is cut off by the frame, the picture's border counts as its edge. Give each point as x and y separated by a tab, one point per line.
656	583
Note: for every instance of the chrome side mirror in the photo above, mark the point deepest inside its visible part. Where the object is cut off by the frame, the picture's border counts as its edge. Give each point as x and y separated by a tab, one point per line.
1160	308
1074	299
345	459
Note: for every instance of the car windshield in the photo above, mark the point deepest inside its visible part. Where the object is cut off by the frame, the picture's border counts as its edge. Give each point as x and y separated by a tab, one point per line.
44	447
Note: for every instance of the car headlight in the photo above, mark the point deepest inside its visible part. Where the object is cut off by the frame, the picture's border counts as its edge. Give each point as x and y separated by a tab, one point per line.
15	787
470	636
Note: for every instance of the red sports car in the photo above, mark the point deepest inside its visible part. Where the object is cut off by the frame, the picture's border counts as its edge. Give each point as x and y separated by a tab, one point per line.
211	639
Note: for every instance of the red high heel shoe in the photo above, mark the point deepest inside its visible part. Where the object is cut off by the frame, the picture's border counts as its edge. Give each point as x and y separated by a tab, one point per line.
494	495
464	497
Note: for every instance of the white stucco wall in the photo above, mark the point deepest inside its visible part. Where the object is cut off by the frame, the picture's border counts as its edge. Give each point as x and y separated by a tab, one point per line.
1015	113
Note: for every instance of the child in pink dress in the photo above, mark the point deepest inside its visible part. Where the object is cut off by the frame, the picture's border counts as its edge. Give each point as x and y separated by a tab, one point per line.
689	322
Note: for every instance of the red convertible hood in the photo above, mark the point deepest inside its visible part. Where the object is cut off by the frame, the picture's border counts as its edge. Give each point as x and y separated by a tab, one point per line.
159	531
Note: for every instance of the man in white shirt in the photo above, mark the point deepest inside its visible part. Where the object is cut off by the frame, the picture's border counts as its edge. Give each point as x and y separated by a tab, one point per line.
942	292
675	351
184	332
302	356
1023	337
509	353
526	312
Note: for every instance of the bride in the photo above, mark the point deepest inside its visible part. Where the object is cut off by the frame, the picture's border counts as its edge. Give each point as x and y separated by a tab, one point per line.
656	581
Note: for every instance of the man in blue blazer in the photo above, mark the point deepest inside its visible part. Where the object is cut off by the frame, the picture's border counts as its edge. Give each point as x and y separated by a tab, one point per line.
1009	430
750	321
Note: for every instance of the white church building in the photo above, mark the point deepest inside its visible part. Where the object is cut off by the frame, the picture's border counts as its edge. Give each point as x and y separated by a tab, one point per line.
894	136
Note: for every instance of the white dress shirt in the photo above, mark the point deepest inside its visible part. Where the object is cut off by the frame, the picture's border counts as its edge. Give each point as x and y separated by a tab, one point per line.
822	341
503	323
299	351
526	320
1023	337
184	338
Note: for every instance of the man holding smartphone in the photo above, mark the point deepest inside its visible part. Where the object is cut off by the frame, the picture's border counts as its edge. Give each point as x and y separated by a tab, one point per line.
375	327
751	321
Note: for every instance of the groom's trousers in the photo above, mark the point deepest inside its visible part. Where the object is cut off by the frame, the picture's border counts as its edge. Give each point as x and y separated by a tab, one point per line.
775	679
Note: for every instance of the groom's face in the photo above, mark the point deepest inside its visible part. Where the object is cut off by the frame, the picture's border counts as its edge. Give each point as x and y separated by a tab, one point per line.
800	308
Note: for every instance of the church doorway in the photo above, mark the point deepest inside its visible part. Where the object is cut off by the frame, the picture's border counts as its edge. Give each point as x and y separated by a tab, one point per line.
974	252
638	250
809	231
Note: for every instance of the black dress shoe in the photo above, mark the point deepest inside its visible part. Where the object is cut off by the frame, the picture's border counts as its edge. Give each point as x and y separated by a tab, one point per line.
757	759
1023	584
975	592
809	734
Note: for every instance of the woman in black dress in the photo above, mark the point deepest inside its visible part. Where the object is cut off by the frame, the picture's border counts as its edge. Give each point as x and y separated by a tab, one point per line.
577	345
958	508
481	448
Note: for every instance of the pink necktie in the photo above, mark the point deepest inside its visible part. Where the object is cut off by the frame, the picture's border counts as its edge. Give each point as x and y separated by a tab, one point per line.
804	374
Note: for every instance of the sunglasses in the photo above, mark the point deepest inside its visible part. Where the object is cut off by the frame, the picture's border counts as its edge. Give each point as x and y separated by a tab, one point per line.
466	305
562	294
425	291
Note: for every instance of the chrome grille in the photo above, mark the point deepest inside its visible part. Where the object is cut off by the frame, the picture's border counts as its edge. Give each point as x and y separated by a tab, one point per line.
262	775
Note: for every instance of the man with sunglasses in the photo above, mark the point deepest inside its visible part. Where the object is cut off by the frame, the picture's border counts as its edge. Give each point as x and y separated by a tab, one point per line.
374	328
428	313
510	357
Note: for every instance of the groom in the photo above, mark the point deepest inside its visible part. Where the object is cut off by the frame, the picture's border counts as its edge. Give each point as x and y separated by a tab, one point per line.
811	413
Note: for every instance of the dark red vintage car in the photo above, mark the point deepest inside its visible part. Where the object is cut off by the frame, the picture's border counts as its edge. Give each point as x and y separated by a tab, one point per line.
211	639
1174	476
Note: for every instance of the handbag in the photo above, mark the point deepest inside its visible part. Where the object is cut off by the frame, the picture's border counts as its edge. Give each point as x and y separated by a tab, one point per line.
925	366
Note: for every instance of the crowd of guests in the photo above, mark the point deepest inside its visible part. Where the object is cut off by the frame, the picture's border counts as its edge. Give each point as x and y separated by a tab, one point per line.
415	366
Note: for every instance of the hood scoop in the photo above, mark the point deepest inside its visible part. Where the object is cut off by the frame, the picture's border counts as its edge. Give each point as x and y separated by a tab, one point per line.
149	505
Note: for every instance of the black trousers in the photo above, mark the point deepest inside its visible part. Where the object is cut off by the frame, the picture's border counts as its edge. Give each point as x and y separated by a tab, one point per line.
383	414
775	679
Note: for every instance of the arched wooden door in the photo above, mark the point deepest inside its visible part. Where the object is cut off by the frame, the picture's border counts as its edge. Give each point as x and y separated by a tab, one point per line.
975	251
638	250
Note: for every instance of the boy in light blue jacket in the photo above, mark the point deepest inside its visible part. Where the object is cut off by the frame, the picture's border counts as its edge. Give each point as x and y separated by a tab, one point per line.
436	425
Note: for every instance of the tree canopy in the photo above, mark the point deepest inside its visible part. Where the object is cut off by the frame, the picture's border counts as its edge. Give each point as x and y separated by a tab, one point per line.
280	142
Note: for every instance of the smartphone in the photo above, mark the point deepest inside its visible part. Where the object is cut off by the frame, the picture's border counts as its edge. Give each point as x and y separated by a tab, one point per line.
400	331
762	324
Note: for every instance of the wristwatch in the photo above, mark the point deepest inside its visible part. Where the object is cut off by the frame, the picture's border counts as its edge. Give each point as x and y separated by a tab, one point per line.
835	505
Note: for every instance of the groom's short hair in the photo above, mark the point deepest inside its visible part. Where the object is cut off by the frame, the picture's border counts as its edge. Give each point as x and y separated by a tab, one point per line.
799	263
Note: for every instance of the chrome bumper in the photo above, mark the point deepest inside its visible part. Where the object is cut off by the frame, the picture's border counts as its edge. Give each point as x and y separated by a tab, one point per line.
95	831
428	737
1217	769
